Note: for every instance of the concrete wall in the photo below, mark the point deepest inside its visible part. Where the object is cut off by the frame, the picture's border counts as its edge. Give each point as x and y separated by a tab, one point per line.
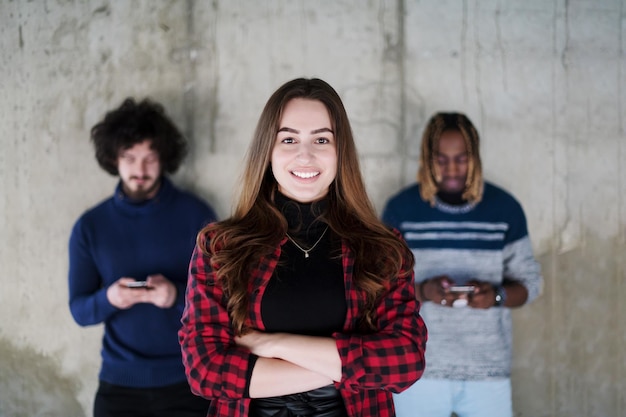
544	81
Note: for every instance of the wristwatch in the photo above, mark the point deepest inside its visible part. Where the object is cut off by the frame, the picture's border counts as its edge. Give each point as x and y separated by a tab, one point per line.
500	295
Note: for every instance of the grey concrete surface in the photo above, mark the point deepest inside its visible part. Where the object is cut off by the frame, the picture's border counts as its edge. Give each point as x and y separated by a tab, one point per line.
544	81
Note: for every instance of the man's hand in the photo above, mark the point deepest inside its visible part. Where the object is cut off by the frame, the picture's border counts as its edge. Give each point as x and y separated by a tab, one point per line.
436	290
123	297
161	292
484	295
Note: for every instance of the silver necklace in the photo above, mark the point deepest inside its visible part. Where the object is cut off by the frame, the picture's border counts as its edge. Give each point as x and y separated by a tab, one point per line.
306	251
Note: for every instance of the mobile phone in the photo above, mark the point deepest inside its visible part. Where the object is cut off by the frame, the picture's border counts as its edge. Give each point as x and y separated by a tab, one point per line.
462	289
137	284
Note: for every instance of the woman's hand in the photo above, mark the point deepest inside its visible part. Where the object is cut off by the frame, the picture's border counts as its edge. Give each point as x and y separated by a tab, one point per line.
317	354
259	343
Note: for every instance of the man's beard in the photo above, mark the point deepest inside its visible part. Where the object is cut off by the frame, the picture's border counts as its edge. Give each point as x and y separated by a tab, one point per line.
140	193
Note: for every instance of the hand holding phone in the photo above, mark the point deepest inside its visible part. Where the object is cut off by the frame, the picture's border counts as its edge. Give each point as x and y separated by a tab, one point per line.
461	292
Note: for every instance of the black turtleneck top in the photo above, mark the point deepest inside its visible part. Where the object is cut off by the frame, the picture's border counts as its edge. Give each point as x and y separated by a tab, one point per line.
306	295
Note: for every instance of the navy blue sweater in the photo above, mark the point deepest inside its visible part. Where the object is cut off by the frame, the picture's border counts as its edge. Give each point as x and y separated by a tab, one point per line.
119	238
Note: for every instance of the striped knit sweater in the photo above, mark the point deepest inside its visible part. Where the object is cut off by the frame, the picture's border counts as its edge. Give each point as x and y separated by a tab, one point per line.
486	241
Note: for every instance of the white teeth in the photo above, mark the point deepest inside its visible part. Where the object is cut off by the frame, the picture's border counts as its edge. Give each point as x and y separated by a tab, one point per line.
305	174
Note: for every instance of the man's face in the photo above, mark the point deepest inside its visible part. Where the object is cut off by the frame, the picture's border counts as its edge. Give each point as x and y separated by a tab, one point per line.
140	170
451	160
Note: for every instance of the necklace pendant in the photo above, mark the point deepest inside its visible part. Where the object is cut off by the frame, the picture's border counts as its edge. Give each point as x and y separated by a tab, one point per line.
306	251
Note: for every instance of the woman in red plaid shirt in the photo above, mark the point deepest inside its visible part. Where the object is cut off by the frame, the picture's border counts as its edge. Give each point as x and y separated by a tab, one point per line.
302	303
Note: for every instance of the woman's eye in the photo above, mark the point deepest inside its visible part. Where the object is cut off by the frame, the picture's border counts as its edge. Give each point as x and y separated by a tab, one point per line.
322	140
288	140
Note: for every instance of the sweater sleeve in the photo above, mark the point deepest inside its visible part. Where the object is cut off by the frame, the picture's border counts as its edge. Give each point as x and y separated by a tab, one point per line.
519	263
392	358
215	366
87	297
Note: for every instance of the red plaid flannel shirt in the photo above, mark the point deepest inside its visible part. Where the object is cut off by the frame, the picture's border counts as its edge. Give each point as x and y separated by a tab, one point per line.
373	365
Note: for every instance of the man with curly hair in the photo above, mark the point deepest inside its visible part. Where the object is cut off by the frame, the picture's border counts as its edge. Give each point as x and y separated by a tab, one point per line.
128	261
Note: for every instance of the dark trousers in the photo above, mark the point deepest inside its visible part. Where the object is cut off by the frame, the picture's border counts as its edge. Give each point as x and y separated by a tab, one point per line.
169	401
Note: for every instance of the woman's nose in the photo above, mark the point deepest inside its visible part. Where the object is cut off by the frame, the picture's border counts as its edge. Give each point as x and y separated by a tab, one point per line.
304	152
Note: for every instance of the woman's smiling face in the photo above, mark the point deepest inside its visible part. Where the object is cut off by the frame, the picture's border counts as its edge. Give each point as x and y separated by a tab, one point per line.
304	157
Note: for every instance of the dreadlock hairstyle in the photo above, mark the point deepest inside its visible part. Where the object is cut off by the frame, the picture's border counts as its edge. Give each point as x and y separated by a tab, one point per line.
132	123
256	228
428	174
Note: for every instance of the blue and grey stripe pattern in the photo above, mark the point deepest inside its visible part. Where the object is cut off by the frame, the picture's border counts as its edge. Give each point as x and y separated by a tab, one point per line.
487	241
460	234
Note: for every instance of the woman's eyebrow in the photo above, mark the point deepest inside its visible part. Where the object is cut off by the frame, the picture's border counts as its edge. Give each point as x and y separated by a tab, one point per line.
324	129
313	132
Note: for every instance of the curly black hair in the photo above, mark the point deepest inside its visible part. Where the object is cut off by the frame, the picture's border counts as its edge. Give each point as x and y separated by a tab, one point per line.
132	123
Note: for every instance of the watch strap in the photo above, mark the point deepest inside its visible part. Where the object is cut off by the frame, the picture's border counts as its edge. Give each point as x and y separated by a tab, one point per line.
500	295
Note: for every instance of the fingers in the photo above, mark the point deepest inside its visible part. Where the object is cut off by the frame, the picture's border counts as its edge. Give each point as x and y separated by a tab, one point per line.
156	280
444	281
484	297
123	297
454	300
162	291
438	290
124	281
435	289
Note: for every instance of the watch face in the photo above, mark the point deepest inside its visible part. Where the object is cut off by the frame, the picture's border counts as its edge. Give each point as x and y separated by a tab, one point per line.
498	302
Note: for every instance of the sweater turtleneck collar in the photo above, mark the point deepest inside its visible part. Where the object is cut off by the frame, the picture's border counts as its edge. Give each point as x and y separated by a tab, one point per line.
133	207
453	203
454	199
303	219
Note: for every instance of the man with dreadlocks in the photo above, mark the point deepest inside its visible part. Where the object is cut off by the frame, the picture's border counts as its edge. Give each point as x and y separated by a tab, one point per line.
474	262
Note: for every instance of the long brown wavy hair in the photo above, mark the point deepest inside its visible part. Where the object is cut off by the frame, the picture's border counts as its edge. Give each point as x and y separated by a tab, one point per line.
236	245
428	175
